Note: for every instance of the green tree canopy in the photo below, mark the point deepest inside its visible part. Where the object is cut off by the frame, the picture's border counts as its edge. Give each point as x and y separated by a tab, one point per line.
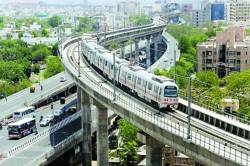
139	19
45	33
54	21
206	79
128	132
40	52
85	24
238	83
11	71
54	66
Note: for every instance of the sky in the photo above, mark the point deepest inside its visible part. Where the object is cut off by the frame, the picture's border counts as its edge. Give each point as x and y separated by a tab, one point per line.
101	2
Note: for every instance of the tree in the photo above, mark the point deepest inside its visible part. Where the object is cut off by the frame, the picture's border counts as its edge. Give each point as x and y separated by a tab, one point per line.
128	151
54	21
139	19
184	44
113	46
54	66
206	79
20	35
40	54
55	49
128	132
45	33
1	22
238	83
34	33
86	24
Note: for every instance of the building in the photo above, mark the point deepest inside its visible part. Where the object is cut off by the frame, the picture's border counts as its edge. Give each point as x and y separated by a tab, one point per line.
129	7
208	13
202	16
228	52
238	10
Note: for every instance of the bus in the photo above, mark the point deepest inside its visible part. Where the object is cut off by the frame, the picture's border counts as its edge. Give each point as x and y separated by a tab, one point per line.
19	114
22	128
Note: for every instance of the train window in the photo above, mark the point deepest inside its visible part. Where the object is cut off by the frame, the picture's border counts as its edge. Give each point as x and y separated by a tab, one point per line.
149	86
134	78
139	81
156	89
145	83
124	74
129	76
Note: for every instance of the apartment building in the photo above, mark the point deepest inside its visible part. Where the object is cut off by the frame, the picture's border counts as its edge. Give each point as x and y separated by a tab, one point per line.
239	10
228	52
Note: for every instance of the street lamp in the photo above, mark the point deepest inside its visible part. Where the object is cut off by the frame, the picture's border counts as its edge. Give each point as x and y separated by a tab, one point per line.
79	73
189	105
114	97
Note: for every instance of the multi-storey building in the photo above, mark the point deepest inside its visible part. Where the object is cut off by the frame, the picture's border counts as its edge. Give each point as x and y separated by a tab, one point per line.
209	12
228	52
238	10
129	7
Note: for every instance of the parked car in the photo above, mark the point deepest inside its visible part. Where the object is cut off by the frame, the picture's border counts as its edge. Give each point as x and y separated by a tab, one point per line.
45	122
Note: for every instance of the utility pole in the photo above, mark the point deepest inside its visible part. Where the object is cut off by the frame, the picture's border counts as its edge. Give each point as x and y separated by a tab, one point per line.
75	25
114	97
189	106
79	73
175	65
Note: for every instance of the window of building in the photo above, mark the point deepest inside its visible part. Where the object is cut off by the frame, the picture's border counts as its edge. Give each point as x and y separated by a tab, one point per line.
238	53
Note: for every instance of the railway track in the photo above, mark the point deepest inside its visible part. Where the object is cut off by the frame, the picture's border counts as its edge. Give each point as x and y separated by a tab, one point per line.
176	115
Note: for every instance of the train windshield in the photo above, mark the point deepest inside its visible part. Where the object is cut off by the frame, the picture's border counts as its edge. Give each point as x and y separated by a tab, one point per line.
170	91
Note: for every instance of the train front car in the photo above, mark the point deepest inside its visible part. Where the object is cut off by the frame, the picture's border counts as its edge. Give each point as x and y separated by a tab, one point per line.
170	95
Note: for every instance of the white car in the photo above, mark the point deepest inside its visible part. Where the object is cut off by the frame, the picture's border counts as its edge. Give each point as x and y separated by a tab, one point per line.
58	113
63	79
50	117
45	122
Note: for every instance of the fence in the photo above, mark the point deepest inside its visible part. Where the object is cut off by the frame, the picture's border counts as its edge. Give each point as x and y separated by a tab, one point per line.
43	134
218	146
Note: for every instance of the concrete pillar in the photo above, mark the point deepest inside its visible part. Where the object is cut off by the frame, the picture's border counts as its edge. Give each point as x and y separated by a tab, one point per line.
78	91
102	134
86	126
148	60
156	40
137	50
153	152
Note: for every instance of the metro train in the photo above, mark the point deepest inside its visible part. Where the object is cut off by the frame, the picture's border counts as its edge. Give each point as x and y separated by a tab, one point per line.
159	91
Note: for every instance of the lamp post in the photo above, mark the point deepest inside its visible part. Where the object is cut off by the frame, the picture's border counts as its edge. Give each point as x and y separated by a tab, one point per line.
79	72
189	106
114	97
175	64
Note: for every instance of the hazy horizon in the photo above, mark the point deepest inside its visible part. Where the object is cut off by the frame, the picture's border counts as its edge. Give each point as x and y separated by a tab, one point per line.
101	2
